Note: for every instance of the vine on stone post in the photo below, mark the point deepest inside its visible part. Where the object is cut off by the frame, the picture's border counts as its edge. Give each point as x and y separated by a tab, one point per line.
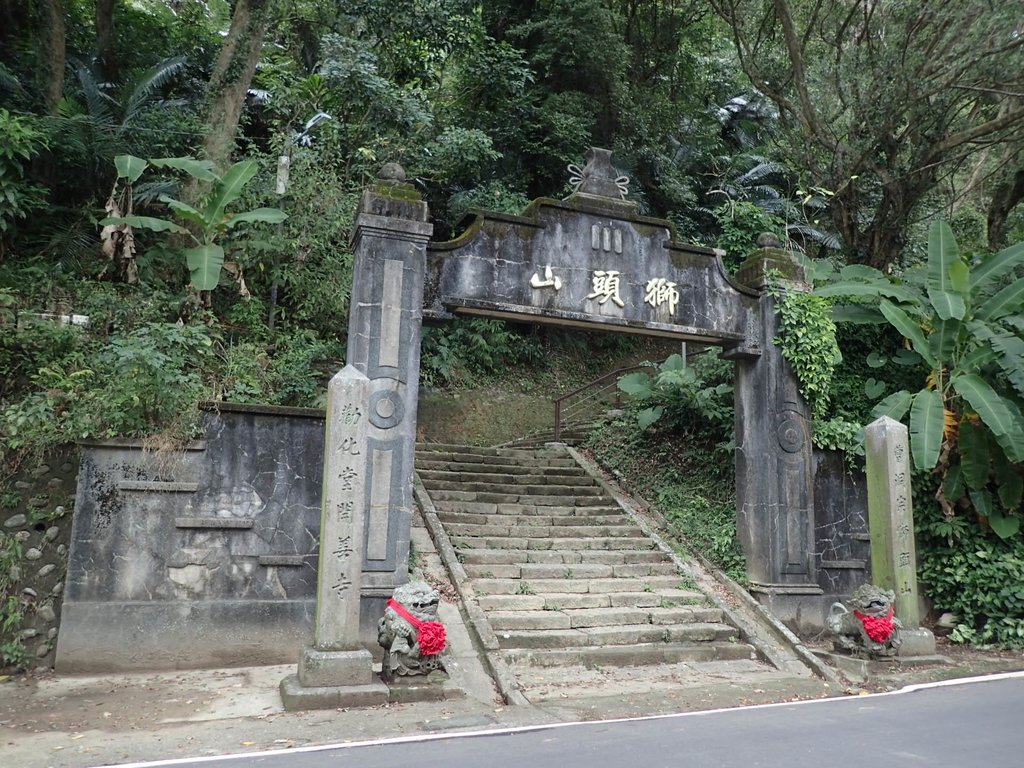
807	338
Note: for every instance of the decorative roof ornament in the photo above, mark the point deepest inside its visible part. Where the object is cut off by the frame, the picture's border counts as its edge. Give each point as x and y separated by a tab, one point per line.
598	178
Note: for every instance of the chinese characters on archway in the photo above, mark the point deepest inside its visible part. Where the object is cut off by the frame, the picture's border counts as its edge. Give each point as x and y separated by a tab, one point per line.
605	286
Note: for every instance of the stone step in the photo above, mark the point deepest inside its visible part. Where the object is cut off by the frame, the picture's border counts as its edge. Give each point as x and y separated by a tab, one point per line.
512	469
561	572
561	601
485	508
478	450
468	518
432	476
554	460
531	499
586	618
551	532
521	489
629	655
626	634
566	570
542	543
499	586
504	556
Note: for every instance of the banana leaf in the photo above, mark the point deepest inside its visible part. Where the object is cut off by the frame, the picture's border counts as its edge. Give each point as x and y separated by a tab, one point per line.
144	222
228	190
902	322
1000	415
974	455
998	266
204	264
129	167
894	406
942	255
926	427
1008	301
197	169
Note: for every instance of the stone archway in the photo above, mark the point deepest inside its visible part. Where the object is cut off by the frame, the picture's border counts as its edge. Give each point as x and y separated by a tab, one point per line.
588	261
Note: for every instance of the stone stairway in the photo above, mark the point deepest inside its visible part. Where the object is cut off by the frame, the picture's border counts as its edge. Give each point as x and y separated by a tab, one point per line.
561	573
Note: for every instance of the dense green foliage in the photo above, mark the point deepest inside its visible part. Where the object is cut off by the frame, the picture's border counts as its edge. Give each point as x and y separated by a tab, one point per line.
678	392
686	467
807	338
965	323
976	576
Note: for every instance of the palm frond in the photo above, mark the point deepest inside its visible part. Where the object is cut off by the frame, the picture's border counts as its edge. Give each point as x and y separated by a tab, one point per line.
98	104
9	83
826	239
760	172
149	84
149	192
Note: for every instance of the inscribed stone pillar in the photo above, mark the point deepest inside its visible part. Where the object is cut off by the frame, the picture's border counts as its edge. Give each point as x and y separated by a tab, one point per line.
340	572
890	515
774	465
385	319
337	670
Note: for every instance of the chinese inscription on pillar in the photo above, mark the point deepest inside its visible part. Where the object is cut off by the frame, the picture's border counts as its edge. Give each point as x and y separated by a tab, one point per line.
341	519
890	514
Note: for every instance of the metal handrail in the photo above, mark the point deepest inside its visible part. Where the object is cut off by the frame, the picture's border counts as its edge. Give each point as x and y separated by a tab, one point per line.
599	380
590	385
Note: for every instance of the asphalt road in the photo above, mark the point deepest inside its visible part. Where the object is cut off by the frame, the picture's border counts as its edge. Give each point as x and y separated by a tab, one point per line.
966	725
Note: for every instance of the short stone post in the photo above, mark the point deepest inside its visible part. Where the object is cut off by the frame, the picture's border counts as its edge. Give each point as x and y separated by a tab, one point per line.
891	522
337	670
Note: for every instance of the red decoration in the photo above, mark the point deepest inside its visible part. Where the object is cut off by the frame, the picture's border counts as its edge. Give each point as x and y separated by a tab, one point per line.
432	635
878	628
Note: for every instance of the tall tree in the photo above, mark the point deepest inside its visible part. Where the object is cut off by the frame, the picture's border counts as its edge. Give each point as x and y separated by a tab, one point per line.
105	39
232	75
55	54
884	100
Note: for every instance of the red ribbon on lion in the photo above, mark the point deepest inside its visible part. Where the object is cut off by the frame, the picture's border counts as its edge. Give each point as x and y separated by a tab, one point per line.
432	636
878	628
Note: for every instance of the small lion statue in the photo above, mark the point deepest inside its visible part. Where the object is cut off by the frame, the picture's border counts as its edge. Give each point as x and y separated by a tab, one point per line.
870	629
409	632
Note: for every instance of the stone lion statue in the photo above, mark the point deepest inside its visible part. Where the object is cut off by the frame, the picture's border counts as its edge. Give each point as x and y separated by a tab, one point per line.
409	632
868	627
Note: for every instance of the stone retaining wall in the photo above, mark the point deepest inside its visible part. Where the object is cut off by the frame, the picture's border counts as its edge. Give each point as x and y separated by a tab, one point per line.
208	557
35	515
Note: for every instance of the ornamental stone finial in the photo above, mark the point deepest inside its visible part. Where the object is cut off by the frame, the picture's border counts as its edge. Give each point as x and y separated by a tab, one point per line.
392	172
598	177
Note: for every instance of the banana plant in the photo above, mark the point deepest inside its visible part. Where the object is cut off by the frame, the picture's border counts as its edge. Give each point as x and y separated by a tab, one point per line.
966	323
210	221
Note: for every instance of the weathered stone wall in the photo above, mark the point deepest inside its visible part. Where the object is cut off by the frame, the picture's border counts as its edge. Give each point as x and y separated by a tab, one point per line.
208	557
35	512
205	557
842	541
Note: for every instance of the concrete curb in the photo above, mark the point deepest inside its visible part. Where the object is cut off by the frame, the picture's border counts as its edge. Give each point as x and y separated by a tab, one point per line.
476	623
773	640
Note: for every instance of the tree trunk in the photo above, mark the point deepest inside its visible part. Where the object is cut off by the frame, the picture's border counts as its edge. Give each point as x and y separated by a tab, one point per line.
232	76
105	39
54	55
1004	199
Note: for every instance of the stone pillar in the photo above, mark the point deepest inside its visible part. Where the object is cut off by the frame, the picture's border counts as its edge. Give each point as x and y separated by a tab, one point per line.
891	522
337	670
774	465
385	319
